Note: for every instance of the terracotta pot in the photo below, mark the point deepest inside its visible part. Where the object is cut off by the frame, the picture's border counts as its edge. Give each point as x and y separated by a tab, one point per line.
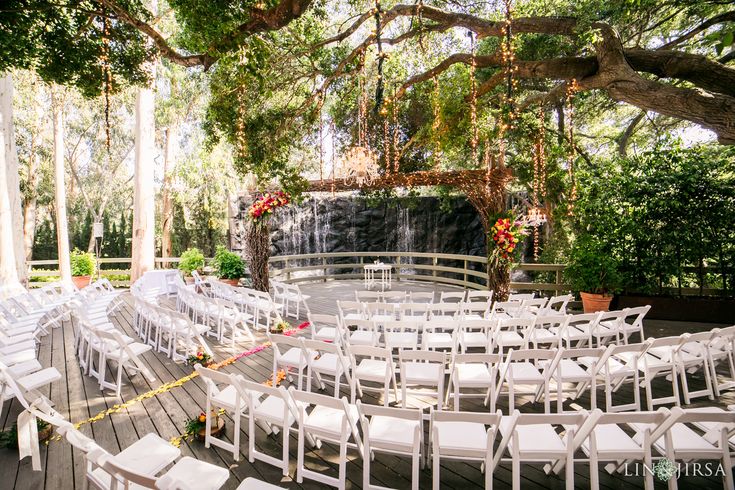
593	303
231	282
81	282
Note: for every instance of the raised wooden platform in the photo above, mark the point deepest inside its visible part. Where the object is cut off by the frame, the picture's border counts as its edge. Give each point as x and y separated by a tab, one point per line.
78	398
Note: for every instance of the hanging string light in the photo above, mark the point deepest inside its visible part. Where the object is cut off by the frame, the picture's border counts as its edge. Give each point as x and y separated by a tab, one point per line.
436	123
362	104
536	215
473	100
320	104
507	52
381	57
386	137
396	153
572	89
106	74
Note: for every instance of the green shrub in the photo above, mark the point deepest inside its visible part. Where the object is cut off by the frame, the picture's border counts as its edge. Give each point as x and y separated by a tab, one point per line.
228	265
82	263
191	260
591	267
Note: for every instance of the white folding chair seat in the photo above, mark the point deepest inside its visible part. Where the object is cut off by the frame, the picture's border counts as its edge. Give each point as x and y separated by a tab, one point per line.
546	330
23	368
394	431
251	483
351	310
419	297
579	331
381	313
475	310
512	333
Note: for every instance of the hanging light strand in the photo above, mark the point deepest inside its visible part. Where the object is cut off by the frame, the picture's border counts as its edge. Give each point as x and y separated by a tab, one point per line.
473	100
436	124
396	153
572	89
320	105
362	104
507	51
106	75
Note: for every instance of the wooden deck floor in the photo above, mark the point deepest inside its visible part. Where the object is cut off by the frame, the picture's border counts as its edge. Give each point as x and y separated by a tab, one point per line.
78	398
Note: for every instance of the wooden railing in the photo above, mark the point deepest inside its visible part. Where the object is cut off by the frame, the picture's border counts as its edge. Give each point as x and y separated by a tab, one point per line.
468	271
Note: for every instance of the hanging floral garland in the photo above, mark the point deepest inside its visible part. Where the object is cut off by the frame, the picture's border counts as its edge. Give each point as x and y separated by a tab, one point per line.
506	234
264	206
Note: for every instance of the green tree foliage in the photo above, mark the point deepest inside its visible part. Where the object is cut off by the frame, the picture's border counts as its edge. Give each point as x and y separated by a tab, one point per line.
663	215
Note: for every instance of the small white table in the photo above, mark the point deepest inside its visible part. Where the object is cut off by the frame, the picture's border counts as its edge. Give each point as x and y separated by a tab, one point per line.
386	275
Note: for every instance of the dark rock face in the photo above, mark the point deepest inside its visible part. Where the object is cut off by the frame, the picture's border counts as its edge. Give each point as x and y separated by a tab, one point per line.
349	224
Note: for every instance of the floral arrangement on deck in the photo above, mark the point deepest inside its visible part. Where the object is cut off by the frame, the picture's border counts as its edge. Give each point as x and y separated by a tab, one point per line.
506	234
200	357
265	204
280	327
194	427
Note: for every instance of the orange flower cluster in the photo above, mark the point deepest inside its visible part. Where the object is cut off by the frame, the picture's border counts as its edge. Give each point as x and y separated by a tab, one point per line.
265	204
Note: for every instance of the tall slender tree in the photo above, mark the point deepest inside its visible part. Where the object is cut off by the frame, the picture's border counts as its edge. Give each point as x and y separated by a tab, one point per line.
62	226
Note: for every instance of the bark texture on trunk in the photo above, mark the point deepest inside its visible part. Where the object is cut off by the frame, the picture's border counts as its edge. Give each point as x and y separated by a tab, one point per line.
169	161
144	198
30	204
62	227
10	234
257	253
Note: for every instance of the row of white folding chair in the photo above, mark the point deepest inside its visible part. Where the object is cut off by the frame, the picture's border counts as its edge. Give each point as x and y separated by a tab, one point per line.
398	297
222	315
139	465
258	305
472	436
381	311
169	331
98	341
291	297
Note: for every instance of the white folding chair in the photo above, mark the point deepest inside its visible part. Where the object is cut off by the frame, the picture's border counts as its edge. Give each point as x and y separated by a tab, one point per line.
479	296
395	297
365	332
440	334
324	327
375	366
533	437
446	311
547	331
617	366
557	305
568	369
401	334
521	296
328	361
632	323
394	431
288	355
332	420
475	334
368	296
417	312
526	368
464	436
512	333
473	371
222	394
274	410
351	310
114	347
418	297
452	297
380	312
422	369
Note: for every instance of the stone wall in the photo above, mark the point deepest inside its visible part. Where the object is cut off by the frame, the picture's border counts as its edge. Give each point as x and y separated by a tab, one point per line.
351	223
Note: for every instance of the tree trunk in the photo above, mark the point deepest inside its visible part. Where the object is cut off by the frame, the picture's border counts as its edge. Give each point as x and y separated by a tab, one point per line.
169	162
144	198
62	227
29	207
498	280
258	250
12	266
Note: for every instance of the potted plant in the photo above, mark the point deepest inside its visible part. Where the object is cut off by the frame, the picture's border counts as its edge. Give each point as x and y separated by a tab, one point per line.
593	272
82	267
9	438
191	260
228	266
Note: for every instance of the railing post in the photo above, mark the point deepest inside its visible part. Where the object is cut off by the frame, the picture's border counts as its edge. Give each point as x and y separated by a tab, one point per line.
288	272
324	268
434	263
465	274
559	277
398	267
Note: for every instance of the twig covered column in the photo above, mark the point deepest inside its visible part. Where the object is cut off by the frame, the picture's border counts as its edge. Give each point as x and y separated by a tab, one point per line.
258	251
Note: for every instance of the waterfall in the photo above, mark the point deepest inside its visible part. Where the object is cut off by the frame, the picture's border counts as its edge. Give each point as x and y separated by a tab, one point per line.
406	237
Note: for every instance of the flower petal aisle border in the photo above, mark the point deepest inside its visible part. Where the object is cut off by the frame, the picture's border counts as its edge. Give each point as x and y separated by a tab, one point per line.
166	387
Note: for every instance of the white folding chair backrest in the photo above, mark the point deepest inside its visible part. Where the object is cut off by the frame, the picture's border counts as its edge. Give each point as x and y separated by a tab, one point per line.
368	296
421	297
558	304
395	296
452	297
